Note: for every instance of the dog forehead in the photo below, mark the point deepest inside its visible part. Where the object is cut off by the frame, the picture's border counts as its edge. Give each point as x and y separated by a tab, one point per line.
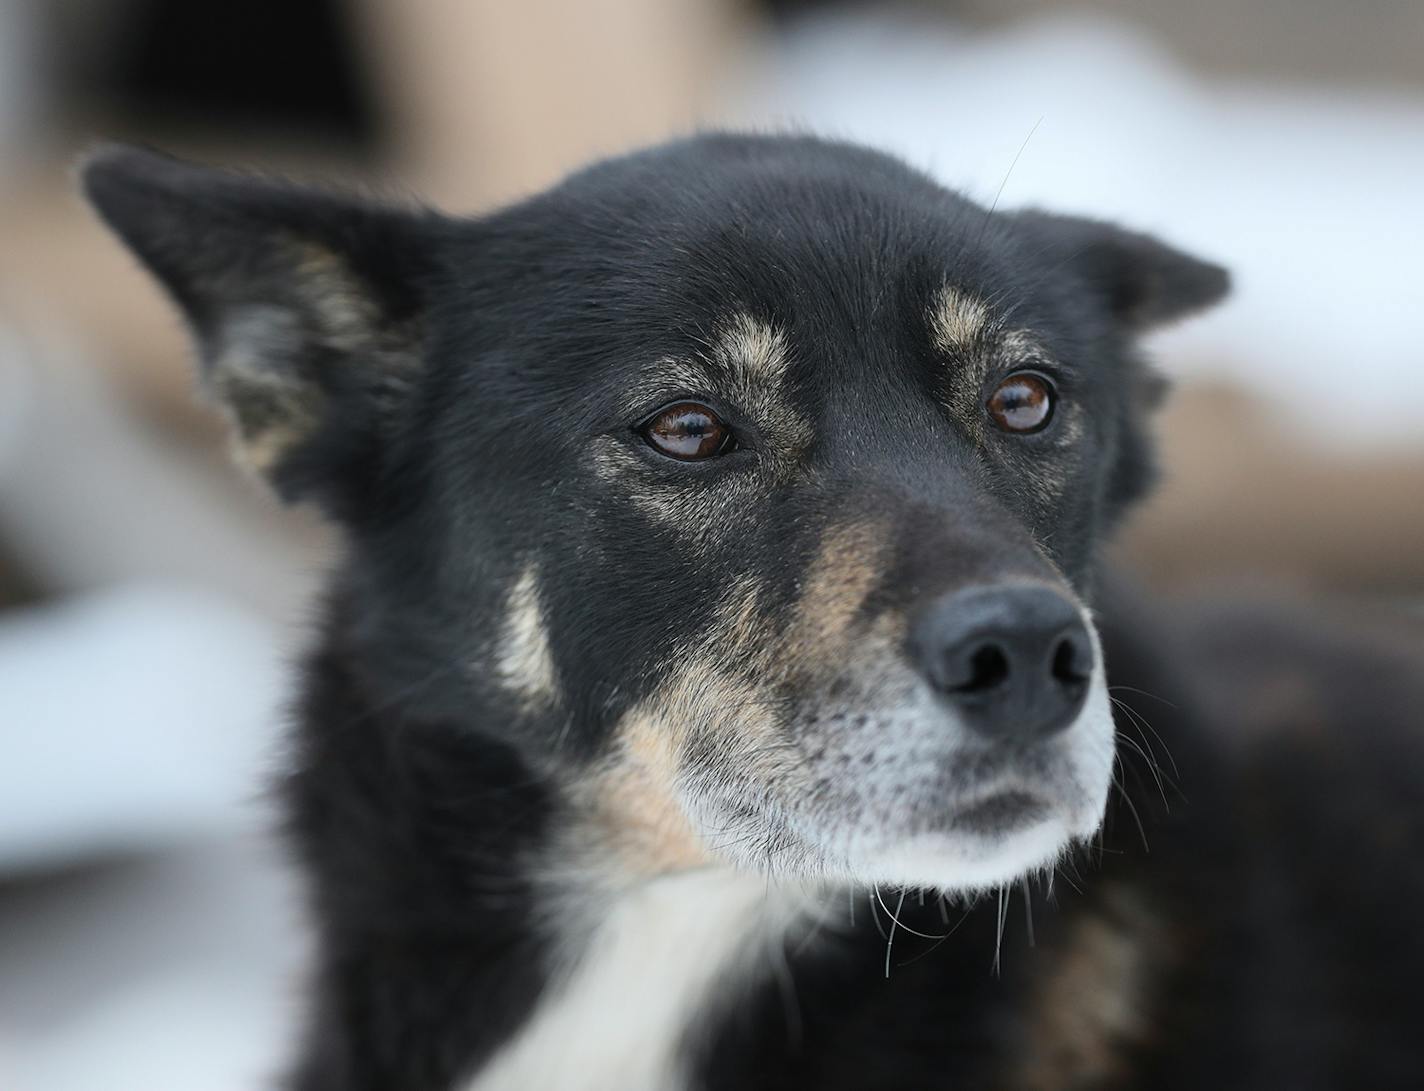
813	283
721	221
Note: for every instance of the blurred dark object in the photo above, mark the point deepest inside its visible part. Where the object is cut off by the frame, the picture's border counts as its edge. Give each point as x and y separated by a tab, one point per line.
287	68
17	587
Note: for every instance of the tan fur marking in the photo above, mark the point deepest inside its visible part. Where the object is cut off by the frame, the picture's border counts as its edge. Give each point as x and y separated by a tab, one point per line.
752	350
741	632
1021	348
753	359
523	659
635	803
669	502
958	321
635	798
963	331
845	571
260	454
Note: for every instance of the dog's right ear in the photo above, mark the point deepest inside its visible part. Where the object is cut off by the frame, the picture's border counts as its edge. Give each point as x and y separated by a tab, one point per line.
307	308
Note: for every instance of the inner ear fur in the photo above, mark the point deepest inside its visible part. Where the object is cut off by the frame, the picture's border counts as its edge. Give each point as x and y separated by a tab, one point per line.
307	307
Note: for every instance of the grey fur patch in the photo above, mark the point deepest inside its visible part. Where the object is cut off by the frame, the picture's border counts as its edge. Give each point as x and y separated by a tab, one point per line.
265	360
255	375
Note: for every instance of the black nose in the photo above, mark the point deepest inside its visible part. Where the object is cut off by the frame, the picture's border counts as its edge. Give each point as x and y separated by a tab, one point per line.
1013	661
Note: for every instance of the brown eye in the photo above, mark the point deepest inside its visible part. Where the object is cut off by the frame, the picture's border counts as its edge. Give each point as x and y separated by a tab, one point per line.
688	431
1022	402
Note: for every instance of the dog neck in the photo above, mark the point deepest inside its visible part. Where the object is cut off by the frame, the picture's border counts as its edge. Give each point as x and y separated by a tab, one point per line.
446	868
641	972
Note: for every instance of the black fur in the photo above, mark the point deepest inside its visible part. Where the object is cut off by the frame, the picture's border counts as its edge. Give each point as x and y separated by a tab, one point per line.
449	424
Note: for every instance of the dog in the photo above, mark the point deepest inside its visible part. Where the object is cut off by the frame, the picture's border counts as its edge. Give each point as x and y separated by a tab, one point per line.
713	688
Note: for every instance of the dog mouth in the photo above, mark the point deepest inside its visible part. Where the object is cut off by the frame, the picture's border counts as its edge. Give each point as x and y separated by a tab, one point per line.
886	788
1001	811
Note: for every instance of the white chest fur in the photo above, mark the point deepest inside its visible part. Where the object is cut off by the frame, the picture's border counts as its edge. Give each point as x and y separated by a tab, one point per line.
622	1015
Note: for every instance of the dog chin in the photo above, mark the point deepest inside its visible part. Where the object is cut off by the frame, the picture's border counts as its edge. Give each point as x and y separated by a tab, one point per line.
1021	825
957	861
999	839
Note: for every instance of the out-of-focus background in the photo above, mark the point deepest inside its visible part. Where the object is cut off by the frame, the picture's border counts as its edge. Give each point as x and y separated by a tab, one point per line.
150	596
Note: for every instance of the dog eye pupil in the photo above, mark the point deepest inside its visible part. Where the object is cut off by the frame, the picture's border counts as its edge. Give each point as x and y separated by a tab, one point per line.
1022	403
688	431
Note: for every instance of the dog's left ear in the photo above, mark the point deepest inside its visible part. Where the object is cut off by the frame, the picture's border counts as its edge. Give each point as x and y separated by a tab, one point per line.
1144	282
307	308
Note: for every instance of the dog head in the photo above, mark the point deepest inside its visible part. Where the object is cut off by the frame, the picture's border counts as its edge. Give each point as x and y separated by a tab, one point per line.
748	486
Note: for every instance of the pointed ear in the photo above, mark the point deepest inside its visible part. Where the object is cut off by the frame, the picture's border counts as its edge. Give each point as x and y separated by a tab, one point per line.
1145	283
307	308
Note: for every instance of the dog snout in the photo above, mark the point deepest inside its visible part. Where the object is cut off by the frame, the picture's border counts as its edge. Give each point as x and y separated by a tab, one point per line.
1014	662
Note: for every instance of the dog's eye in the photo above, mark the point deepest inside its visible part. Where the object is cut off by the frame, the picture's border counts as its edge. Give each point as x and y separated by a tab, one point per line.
688	431
1022	403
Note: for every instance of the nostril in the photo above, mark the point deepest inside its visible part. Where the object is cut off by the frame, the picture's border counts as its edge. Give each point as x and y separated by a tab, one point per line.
1012	662
988	669
1071	665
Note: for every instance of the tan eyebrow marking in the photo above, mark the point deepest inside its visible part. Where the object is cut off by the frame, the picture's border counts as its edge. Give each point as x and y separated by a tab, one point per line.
751	350
958	320
746	361
962	327
744	357
755	358
975	340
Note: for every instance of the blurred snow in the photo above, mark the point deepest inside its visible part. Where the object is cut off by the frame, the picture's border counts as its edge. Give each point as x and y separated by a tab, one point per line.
139	711
92	494
140	704
1310	195
136	716
177	972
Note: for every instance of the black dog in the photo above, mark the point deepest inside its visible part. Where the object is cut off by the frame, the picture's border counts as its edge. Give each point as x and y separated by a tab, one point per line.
710	646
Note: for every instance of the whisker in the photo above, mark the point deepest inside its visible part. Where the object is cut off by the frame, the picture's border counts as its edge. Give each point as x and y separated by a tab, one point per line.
993	205
895	916
894	920
999	933
1142	723
1144	693
936	945
1136	721
1151	764
1132	807
1069	880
